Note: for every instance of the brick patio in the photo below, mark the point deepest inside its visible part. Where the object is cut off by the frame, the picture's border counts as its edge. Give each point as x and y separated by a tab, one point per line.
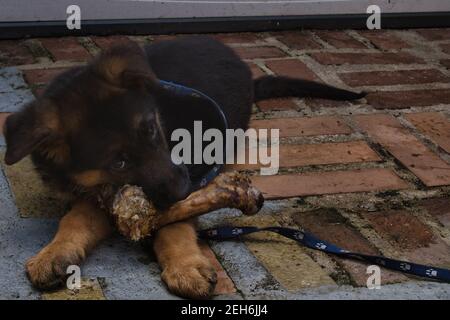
371	176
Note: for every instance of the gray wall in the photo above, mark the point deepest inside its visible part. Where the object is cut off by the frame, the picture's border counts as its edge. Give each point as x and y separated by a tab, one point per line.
51	10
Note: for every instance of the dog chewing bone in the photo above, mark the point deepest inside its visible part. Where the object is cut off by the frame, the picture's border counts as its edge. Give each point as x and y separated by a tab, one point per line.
136	217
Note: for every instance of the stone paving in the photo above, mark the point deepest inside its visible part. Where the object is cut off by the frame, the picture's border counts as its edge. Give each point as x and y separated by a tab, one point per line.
372	176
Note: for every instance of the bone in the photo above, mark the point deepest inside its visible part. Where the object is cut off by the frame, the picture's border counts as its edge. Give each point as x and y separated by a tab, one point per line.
136	217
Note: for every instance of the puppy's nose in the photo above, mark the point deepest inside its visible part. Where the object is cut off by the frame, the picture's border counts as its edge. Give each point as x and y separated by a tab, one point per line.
166	195
172	190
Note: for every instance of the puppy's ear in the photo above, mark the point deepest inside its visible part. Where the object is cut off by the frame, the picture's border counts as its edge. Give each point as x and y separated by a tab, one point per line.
24	131
124	66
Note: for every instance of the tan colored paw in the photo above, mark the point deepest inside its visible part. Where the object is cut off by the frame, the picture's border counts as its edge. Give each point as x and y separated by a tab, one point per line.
48	269
195	278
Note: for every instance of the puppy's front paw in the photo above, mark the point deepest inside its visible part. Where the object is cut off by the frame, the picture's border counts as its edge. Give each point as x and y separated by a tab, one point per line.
47	270
194	278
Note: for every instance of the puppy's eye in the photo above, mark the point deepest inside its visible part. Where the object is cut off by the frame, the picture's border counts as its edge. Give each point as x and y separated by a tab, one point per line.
119	165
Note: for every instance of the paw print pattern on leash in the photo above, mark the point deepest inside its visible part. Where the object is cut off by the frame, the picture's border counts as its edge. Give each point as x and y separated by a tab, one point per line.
432	273
405	266
321	246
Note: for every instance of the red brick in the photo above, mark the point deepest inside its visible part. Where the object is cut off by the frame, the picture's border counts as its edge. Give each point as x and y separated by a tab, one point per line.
140	40
435	34
410	151
14	53
385	78
67	48
107	42
445	48
411	237
256	71
384	40
240	38
298	127
407	99
445	63
340	39
297	40
329	58
326	153
330	226
291	68
164	37
400	228
3	116
277	104
295	185
316	104
434	125
438	208
40	76
259	52
224	284
297	155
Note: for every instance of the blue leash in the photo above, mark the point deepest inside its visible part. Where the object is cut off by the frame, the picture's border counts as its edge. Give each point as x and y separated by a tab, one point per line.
310	241
304	238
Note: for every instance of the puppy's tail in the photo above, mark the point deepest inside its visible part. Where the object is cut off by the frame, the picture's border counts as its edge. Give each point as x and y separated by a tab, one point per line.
268	87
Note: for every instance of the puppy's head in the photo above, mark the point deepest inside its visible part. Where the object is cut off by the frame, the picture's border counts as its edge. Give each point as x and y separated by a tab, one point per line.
101	124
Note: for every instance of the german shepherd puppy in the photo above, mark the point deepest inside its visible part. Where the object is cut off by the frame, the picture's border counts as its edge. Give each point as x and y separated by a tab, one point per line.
110	122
